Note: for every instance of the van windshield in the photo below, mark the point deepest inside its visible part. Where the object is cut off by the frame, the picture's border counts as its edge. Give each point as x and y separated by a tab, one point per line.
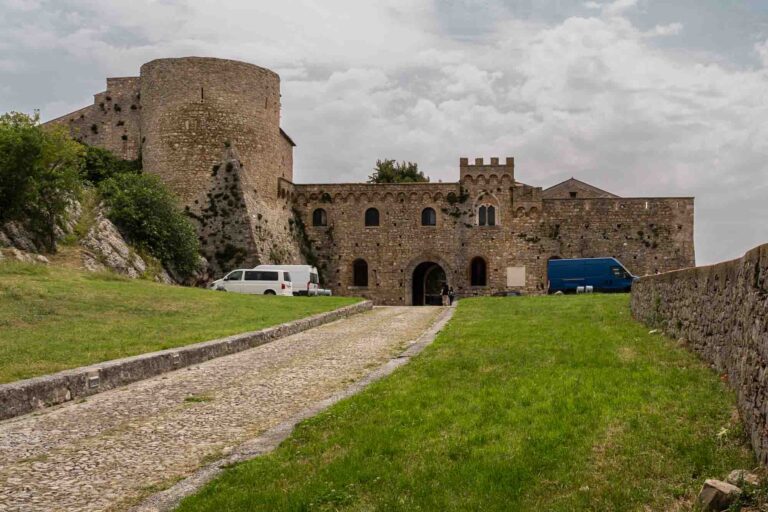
619	273
313	278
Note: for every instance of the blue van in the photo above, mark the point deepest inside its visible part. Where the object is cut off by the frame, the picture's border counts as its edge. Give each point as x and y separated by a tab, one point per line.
603	274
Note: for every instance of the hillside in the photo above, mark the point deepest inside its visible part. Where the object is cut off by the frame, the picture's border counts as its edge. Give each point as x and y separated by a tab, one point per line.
56	317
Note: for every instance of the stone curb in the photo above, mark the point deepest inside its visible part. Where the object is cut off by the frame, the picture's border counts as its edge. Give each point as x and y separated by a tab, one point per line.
169	499
25	396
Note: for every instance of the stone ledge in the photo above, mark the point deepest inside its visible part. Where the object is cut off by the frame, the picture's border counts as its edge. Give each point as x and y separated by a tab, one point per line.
25	396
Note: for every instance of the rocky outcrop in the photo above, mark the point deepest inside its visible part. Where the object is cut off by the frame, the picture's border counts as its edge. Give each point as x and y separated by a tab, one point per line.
103	247
719	312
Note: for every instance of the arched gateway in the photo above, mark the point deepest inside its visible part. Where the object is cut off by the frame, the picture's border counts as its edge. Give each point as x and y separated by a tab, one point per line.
428	279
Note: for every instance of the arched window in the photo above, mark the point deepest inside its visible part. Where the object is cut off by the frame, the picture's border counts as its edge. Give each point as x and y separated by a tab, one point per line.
428	217
360	273
477	270
486	215
319	218
371	217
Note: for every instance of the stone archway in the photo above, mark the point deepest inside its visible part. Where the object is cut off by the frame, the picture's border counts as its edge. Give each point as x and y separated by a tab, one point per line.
427	283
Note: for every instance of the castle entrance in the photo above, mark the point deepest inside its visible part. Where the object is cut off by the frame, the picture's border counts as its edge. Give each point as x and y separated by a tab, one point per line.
428	279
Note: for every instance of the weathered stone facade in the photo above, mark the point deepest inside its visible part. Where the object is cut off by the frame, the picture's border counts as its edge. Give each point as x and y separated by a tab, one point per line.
721	313
210	128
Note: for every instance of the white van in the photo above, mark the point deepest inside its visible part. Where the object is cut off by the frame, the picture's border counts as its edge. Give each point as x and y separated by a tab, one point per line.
246	280
305	278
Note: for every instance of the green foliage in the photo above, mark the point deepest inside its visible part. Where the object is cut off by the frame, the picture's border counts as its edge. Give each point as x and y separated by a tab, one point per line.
101	164
521	403
390	171
39	173
147	215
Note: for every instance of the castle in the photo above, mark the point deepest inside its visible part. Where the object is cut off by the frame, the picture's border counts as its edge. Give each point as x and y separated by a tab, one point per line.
210	128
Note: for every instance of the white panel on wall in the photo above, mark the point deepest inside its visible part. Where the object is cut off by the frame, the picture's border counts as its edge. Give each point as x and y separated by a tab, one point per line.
515	276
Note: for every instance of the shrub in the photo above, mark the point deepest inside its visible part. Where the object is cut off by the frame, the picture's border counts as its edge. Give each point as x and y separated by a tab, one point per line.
101	164
147	215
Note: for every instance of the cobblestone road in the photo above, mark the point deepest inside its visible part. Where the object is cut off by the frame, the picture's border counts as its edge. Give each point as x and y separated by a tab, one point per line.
110	450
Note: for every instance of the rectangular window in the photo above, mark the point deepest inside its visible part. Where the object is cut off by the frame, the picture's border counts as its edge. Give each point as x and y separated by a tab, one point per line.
260	275
481	216
286	276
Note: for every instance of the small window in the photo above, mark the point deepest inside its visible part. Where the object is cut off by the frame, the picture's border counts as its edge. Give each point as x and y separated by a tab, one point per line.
371	217
319	218
481	216
478	272
619	273
286	276
252	275
235	276
491	216
360	273
428	217
572	194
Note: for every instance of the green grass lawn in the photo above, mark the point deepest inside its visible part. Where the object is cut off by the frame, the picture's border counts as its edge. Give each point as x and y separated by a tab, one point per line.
53	318
525	404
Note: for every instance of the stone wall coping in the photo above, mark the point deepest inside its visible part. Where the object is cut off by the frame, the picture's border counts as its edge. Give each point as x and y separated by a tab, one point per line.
25	396
722	268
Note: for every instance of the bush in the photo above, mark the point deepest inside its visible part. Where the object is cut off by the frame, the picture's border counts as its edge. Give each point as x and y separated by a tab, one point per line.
101	164
147	215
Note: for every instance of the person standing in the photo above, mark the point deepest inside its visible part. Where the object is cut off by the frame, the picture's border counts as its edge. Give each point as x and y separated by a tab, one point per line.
444	294
451	296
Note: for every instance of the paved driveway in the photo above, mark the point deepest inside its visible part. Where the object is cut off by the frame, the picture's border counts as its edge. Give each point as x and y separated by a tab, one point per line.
116	447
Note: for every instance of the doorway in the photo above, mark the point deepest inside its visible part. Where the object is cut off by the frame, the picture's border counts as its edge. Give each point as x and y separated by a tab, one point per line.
428	279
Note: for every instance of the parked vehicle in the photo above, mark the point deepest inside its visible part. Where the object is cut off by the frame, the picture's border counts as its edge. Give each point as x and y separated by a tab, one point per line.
305	278
246	280
602	274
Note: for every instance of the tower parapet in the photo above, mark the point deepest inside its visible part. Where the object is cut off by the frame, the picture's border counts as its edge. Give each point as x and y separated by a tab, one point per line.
471	172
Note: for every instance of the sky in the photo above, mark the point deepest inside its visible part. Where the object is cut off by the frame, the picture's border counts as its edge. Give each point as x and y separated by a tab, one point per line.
639	97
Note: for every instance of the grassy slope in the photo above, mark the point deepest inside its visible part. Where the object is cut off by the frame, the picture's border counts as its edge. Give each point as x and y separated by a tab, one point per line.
55	318
541	403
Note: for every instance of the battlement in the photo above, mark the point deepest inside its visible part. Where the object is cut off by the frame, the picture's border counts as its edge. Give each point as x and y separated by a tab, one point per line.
481	171
480	162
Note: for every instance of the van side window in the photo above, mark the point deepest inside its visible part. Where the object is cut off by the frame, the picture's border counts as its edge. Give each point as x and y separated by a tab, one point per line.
260	275
286	276
235	276
619	273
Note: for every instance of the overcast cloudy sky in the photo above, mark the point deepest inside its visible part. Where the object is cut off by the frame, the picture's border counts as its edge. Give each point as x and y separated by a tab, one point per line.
640	97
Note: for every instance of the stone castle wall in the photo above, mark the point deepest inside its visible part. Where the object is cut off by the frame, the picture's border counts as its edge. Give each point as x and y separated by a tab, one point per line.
647	235
721	313
112	122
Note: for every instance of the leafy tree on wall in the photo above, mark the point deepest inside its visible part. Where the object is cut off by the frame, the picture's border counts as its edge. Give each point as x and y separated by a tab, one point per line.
390	171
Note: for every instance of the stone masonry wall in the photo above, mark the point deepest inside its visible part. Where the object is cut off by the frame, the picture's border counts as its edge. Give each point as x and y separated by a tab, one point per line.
721	313
648	235
112	122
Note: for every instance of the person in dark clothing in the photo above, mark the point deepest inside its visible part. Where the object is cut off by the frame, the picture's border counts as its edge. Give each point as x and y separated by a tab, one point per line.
451	296
444	294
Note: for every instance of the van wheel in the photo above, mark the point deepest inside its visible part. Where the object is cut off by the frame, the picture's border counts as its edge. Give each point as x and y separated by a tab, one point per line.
270	292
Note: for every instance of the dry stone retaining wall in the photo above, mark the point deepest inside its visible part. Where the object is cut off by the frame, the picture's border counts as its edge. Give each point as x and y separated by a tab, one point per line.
721	312
22	397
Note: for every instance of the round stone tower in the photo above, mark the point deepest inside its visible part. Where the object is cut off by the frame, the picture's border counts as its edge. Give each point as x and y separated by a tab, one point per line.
193	107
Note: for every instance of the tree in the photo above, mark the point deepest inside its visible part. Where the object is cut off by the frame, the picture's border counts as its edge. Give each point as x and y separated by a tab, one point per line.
146	213
39	174
21	146
390	171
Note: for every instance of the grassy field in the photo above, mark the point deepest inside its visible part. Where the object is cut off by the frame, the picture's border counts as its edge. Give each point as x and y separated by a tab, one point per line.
538	403
53	318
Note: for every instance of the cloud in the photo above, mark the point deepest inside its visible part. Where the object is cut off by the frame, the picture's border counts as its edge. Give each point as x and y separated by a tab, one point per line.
593	96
